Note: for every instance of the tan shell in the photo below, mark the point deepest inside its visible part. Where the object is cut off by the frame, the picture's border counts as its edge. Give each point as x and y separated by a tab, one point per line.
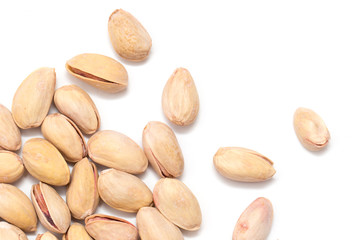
310	129
16	208
76	232
51	209
33	98
10	138
82	195
46	236
65	135
128	37
153	225
105	227
177	203
44	162
11	232
162	149
99	71
77	105
115	150
255	222
244	165
180	99
123	191
11	167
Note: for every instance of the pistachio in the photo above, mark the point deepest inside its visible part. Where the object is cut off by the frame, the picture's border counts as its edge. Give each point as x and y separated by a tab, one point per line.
76	232
44	162
77	105
11	167
99	71
46	236
105	227
123	191
180	100
10	138
162	149
16	208
244	165
51	209
82	195
255	222
310	129
33	98
153	225
177	203
115	150
65	135
11	232
128	37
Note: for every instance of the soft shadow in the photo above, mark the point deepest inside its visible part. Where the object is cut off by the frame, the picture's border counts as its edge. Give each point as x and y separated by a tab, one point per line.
191	234
32	132
322	151
113	212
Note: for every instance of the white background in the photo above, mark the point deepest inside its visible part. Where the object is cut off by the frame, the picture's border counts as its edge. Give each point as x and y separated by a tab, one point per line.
254	63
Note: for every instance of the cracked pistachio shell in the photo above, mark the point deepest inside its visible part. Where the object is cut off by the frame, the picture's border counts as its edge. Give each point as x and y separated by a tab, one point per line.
255	222
76	232
99	71
153	225
105	227
65	136
162	149
77	105
10	138
244	165
44	162
11	167
51	209
123	191
46	236
128	37
11	232
82	195
180	99
33	98
310	129
16	208
116	150
177	203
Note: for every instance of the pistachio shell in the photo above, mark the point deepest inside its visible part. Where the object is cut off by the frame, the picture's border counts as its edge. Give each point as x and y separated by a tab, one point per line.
115	150
51	209
128	37
123	191
162	149
16	208
76	232
10	138
46	236
65	135
177	203
44	162
11	232
99	71
77	105
11	167
33	98
244	165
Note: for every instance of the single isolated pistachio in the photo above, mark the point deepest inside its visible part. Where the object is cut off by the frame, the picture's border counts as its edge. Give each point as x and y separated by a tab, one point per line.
123	191
99	71
177	203
244	165
116	150
153	225
180	99
33	98
46	236
65	136
11	232
10	134
16	208
82	195
51	209
162	149
77	105
76	232
44	162
11	167
255	222
105	227
310	129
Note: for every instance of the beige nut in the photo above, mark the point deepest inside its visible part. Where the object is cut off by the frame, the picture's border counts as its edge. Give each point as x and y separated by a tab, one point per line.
46	236
11	167
76	232
11	232
10	134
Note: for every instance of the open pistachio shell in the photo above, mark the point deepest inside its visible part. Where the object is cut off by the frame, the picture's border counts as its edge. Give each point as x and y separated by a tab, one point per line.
11	167
9	131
